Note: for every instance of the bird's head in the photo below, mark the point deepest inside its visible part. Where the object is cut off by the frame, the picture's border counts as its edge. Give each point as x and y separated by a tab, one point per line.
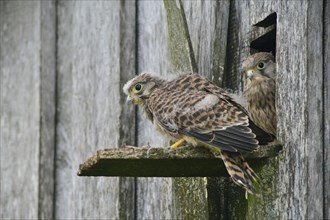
258	66
139	88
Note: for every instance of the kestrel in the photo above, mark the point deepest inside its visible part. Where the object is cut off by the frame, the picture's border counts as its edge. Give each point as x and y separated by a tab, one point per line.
193	109
260	90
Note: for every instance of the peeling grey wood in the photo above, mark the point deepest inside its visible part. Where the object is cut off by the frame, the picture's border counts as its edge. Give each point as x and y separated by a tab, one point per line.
27	62
326	107
154	195
89	51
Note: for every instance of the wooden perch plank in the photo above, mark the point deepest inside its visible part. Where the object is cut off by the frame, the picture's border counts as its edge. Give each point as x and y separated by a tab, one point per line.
162	162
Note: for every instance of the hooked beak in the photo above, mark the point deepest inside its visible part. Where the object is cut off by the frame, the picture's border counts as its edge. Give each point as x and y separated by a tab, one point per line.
129	99
250	73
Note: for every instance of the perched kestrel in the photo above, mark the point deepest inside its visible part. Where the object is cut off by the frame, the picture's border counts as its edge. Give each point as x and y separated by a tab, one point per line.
192	109
260	90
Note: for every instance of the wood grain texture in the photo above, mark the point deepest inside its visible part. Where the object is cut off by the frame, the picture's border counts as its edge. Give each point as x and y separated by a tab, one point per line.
95	47
47	109
154	195
183	59
291	182
27	61
154	162
326	107
314	111
187	161
127	113
244	15
20	81
209	29
299	104
207	23
88	105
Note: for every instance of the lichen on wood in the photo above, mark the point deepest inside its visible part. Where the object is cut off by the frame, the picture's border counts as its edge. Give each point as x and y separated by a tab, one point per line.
162	162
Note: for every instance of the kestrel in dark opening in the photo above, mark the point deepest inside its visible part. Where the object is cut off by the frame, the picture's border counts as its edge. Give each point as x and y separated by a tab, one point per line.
193	109
260	90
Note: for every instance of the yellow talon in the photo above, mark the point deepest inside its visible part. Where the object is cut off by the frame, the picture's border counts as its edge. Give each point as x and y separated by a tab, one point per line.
179	143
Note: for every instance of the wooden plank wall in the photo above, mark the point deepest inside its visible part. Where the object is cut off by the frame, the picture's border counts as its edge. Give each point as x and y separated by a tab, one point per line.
127	114
299	105
207	24
27	61
326	107
95	53
88	85
154	195
47	109
63	65
293	181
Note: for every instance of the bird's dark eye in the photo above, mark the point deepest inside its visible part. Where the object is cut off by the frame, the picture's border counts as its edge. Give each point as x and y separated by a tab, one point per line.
138	87
261	65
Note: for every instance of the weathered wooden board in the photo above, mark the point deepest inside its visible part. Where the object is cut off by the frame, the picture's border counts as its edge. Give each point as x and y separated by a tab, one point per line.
314	113
326	108
47	110
93	57
243	16
183	59
299	65
95	47
127	118
300	165
187	161
154	195
27	109
207	23
300	106
181	54
153	162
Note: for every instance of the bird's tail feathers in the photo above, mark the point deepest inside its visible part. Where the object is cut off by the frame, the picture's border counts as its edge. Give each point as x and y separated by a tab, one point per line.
262	136
239	170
